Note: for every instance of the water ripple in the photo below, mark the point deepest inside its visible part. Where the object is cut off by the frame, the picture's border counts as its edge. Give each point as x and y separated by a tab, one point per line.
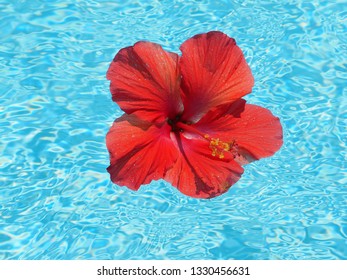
57	200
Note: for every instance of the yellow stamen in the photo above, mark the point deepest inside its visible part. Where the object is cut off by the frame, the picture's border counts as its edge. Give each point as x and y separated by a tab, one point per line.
218	147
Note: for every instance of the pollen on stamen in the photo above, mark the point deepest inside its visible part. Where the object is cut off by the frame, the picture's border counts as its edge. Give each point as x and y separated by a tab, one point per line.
218	147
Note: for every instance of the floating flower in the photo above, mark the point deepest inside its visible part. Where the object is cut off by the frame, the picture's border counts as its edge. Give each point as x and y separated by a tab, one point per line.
185	120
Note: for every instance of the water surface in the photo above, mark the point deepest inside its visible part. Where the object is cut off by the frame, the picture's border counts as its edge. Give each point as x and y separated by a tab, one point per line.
57	201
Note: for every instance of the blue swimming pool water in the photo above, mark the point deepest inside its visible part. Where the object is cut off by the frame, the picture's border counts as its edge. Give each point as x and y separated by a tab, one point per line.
56	199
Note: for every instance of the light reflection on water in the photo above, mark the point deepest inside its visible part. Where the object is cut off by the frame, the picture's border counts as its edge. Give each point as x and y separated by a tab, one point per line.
57	201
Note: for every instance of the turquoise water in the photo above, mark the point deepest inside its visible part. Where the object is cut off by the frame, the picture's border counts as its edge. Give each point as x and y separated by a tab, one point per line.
56	199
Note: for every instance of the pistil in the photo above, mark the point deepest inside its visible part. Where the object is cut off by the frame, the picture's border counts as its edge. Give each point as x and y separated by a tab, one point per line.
217	146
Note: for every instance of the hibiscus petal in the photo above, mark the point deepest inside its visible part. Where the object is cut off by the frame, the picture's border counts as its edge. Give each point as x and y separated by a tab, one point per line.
254	130
214	72
197	173
145	80
139	152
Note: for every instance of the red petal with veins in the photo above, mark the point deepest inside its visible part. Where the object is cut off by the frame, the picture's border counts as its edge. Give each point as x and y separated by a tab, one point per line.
139	152
256	131
145	81
199	174
214	72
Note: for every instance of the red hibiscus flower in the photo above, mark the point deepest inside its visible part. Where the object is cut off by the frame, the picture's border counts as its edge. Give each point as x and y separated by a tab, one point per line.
185	121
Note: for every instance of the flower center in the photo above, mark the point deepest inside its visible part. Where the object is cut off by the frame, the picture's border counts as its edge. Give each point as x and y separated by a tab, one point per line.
174	124
217	146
